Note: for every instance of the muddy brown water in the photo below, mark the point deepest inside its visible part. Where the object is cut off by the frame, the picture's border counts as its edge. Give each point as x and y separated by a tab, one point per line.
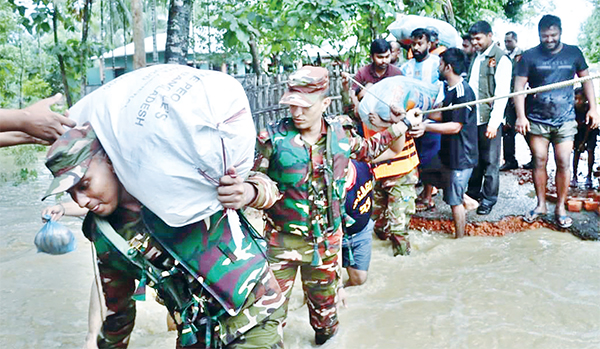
535	289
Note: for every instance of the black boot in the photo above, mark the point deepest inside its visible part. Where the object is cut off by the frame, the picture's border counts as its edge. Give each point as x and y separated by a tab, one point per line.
509	166
322	337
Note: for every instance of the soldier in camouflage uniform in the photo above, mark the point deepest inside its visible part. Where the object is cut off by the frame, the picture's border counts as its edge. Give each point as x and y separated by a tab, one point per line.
81	167
394	204
307	156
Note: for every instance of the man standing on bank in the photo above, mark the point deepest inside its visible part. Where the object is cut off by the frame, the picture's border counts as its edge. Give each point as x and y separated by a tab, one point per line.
489	75
451	168
510	117
549	117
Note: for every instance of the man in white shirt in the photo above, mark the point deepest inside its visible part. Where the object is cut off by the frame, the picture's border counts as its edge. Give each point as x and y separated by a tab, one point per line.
489	75
423	66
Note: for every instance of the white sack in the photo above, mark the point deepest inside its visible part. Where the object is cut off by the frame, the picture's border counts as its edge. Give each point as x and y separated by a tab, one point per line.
399	90
404	26
160	125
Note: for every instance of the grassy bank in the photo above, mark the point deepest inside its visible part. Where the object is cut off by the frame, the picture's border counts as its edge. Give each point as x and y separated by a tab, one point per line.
17	163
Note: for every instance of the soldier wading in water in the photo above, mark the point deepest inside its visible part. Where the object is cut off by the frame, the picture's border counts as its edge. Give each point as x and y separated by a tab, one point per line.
307	156
126	237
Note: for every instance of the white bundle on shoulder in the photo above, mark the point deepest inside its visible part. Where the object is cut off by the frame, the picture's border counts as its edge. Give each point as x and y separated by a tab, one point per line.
404	25
400	91
171	131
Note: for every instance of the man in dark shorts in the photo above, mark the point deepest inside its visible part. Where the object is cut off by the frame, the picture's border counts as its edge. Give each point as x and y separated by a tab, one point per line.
550	116
458	154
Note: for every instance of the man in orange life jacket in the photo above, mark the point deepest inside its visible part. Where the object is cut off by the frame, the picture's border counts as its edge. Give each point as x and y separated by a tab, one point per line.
394	194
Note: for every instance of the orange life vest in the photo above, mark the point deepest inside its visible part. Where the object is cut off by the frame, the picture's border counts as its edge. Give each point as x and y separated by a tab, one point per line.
404	162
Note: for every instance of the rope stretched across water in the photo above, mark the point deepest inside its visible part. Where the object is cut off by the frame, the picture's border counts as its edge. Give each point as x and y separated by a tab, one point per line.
544	88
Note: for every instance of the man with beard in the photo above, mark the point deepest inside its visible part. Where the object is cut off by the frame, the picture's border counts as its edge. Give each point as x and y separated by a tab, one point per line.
424	66
549	117
489	75
468	49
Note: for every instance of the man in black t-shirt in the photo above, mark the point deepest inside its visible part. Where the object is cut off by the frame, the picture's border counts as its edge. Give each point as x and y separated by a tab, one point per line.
549	116
458	154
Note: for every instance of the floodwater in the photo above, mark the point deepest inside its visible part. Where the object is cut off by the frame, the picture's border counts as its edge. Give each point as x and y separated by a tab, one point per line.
535	289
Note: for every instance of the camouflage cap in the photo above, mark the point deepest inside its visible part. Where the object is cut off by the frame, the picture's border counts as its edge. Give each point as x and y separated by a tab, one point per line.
306	86
69	157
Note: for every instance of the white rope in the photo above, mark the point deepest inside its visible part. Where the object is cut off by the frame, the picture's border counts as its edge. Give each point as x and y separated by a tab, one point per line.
544	88
367	90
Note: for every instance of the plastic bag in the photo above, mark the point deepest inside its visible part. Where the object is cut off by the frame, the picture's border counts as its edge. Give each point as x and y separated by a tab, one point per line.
54	238
400	91
404	26
170	132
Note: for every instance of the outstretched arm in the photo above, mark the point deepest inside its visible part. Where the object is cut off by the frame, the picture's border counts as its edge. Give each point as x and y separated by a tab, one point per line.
370	149
10	138
37	120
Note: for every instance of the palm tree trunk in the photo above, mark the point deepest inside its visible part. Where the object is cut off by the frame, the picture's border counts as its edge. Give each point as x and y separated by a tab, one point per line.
178	31
139	53
87	10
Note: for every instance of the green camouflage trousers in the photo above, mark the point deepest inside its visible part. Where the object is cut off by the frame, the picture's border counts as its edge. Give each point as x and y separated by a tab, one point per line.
287	253
394	204
268	334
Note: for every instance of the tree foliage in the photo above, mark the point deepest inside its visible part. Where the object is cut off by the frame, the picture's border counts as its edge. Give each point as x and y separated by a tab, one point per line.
275	31
281	28
467	12
589	39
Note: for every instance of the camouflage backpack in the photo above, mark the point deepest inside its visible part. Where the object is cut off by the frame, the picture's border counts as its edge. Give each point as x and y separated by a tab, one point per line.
224	254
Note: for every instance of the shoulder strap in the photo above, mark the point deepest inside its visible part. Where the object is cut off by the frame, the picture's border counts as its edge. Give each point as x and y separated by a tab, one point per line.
188	310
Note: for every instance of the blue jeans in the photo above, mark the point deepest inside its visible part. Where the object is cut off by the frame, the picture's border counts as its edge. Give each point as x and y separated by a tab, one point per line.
356	248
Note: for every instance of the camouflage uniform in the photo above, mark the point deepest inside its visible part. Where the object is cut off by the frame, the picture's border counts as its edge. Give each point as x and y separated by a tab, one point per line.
304	228
394	204
256	325
394	196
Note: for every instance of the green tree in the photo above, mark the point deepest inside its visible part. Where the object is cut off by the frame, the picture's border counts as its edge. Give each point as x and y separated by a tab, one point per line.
25	73
589	38
467	12
279	29
66	23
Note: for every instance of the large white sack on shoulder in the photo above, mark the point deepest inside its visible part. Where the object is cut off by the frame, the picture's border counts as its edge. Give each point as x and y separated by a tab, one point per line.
400	91
402	27
162	125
